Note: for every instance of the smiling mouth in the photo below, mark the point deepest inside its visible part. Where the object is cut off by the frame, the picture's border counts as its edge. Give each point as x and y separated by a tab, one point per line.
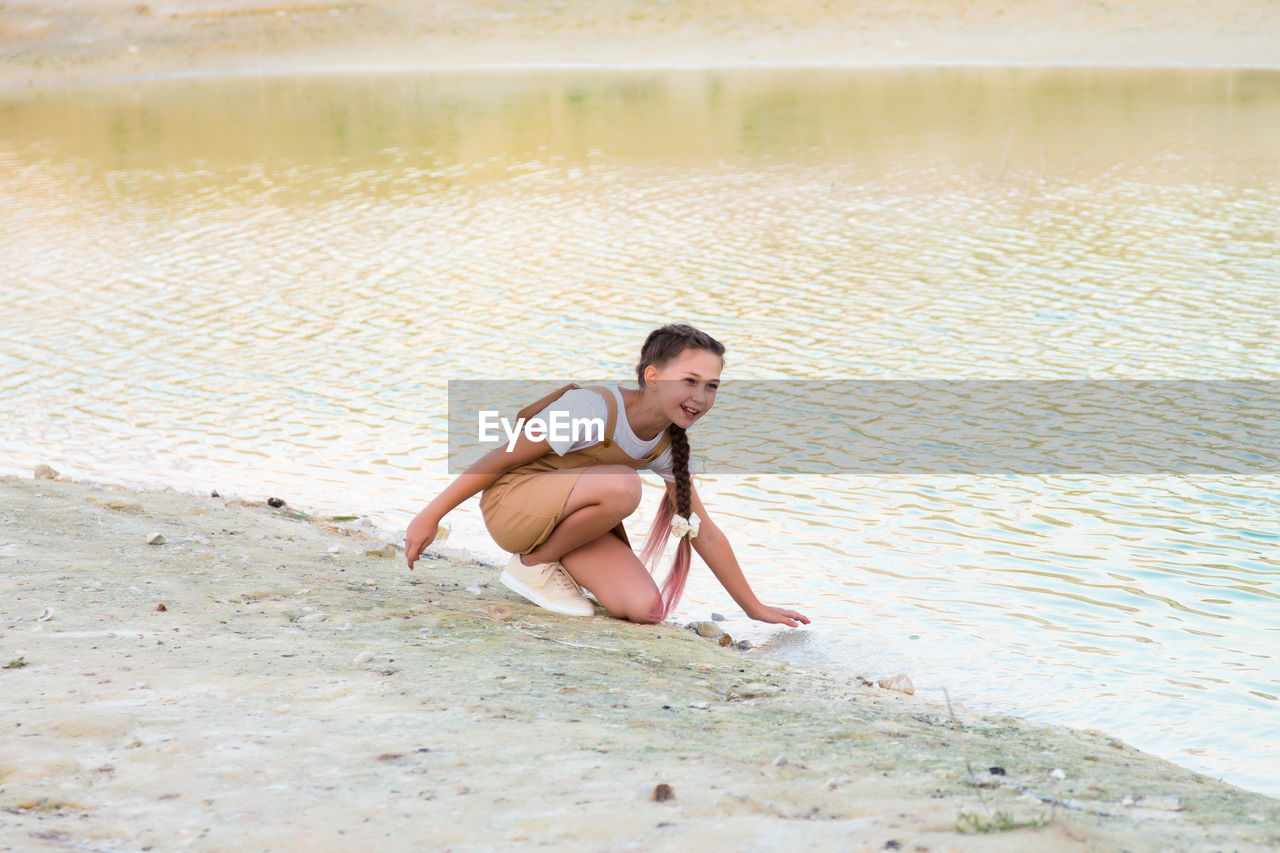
690	413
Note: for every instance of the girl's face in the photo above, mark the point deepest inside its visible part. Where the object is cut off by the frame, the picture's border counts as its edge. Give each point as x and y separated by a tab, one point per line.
686	385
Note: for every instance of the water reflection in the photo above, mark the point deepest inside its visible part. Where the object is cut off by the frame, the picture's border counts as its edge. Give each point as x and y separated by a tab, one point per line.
263	286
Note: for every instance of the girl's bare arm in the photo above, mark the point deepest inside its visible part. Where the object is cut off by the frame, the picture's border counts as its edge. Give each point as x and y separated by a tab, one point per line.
482	474
713	546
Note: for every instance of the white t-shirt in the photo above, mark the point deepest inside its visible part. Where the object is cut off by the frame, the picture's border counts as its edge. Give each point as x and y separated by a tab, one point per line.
581	403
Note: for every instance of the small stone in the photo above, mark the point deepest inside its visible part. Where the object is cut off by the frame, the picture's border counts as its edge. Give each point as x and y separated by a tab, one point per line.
663	792
334	549
386	550
155	538
45	615
1058	773
742	644
986	780
725	640
716	617
996	771
475	590
701	706
780	761
710	630
899	682
160	607
44	472
214	494
498	613
364	657
275	503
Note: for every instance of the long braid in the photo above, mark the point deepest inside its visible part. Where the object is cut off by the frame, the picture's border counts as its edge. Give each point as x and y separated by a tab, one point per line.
680	467
661	346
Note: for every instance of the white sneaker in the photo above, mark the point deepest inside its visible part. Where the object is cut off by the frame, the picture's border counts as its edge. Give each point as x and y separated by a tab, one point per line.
547	585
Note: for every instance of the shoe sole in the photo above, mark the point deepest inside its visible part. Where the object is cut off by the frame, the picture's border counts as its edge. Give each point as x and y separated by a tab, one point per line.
517	586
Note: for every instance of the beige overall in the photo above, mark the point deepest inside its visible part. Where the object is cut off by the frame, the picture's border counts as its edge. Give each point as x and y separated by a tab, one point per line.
525	504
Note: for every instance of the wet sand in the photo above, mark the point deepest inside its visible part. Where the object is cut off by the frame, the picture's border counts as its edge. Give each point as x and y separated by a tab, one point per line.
261	680
47	42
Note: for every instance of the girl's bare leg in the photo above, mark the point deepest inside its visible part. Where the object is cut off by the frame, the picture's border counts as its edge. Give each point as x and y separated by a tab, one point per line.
600	499
611	570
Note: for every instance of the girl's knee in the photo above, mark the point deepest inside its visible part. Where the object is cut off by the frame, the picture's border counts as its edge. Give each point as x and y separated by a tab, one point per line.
624	491
642	610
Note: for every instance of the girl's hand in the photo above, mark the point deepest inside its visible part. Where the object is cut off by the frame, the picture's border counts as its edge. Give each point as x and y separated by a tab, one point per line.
422	530
779	615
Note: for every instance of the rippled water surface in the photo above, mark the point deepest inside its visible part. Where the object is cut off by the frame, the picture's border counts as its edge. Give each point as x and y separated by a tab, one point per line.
263	286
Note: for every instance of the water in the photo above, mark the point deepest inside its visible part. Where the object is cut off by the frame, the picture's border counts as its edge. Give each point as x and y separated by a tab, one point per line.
263	285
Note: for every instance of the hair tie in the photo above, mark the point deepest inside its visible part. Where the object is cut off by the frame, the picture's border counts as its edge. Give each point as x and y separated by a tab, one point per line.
681	526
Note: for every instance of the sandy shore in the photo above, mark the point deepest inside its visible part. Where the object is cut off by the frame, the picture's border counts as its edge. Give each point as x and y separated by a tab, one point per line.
265	681
50	42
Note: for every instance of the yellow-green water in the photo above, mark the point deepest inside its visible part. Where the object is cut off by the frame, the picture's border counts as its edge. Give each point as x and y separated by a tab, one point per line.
263	285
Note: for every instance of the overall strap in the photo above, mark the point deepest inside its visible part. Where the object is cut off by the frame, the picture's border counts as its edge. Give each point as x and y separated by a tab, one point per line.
611	402
611	405
664	441
540	404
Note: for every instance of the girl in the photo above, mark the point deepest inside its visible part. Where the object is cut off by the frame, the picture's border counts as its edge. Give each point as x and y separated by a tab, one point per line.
559	505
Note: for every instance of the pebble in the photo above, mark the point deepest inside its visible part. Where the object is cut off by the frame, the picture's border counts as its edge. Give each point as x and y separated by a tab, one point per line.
499	613
334	549
45	615
363	657
44	472
155	538
725	640
275	503
716	617
986	780
900	683
742	644
780	761
663	792
710	630
701	706
1058	773
384	551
